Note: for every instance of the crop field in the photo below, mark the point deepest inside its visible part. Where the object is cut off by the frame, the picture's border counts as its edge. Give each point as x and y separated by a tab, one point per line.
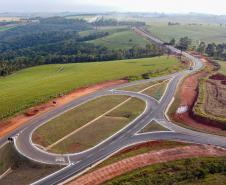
35	85
121	40
215	99
198	171
207	33
102	128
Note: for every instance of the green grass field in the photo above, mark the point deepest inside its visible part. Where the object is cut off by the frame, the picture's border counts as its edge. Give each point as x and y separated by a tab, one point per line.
74	119
197	171
121	40
101	129
207	33
223	67
157	90
138	87
153	127
35	85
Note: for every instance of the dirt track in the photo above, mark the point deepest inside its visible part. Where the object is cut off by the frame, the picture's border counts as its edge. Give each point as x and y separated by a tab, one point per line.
14	122
108	172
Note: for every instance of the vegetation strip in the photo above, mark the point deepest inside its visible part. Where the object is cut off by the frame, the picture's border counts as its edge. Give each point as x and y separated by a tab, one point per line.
154	126
89	123
101	129
49	147
108	172
74	119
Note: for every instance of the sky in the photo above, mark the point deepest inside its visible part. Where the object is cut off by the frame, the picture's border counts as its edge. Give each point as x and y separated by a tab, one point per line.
167	6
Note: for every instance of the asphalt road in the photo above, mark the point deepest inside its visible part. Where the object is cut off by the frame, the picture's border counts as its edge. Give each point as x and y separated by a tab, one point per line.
78	162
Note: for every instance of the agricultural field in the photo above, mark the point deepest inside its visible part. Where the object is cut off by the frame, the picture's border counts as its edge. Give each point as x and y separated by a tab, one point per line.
38	84
206	33
197	171
211	102
121	40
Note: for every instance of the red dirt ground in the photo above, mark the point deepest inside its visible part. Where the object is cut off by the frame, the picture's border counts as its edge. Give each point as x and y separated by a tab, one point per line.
188	93
14	122
108	172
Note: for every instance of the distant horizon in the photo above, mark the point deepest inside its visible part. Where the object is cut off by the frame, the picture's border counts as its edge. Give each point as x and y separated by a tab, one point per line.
217	7
110	12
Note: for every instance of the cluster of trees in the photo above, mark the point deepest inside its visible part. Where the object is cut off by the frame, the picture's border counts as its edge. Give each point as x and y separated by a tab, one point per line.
56	40
113	22
183	44
217	51
69	52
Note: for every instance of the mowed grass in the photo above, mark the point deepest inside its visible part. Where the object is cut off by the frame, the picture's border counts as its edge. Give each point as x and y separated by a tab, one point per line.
121	40
35	85
63	125
206	33
223	67
157	90
153	127
102	128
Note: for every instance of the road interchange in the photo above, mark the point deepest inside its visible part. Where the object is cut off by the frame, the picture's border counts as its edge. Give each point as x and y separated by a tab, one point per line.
77	163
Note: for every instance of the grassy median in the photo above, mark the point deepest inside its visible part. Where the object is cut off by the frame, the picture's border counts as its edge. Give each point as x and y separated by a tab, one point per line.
63	125
102	128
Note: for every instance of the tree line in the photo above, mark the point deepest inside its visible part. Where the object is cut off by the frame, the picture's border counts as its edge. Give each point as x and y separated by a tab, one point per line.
216	51
57	40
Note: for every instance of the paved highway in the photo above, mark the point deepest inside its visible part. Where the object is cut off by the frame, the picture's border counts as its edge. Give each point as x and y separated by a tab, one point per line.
77	163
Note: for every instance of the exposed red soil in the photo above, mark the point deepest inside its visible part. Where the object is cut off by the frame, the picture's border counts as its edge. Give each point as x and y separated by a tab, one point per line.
188	93
12	123
121	167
